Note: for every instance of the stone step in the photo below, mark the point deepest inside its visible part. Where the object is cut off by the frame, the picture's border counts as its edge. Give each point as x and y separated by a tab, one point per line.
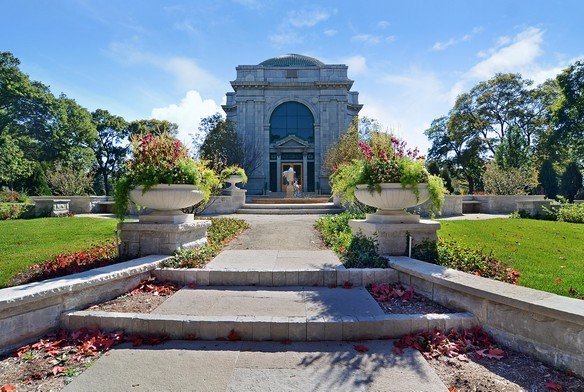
266	328
296	211
268	313
288	206
335	276
259	366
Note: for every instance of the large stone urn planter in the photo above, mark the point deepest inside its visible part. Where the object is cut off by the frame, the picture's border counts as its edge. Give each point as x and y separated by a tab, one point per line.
166	201
394	229
166	229
392	201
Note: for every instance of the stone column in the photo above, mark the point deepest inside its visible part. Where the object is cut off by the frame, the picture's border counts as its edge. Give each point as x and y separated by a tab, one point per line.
304	172
279	172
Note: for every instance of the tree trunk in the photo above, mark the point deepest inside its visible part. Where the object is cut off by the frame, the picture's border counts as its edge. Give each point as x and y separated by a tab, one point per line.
471	185
106	184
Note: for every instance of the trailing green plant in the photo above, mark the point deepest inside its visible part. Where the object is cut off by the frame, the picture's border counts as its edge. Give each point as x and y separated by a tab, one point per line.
385	159
221	231
234	170
354	251
450	254
161	159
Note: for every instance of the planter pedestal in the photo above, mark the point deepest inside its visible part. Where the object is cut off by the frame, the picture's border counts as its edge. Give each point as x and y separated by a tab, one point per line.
391	231
139	239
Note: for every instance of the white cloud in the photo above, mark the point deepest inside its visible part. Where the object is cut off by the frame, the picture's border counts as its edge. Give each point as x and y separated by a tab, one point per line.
285	38
187	114
371	39
357	64
383	24
330	32
287	31
441	45
307	17
186	71
520	54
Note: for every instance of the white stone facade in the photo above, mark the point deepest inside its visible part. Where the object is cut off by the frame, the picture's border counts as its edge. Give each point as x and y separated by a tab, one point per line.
260	89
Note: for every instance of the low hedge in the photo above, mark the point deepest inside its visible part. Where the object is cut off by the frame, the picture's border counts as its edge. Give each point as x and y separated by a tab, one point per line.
450	254
354	251
16	211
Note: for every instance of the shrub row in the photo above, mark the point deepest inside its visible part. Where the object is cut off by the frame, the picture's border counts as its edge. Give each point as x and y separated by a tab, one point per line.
354	251
452	255
16	211
221	231
564	212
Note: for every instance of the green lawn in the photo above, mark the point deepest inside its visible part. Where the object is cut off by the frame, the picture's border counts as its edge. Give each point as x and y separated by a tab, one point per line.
542	251
27	242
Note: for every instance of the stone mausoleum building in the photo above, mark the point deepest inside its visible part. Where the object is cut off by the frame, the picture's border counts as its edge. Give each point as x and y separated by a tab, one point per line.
292	108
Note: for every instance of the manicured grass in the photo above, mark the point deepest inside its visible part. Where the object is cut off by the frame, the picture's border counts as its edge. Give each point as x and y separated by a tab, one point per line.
549	255
27	242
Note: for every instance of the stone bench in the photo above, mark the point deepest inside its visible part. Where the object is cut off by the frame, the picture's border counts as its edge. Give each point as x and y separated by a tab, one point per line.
51	207
471	206
105	207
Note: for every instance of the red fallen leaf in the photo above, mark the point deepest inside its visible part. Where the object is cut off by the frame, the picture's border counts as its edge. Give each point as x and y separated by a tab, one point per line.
558	280
286	341
233	336
492	353
361	348
7	388
347	285
462	357
190	336
452	388
192	286
58	369
553	386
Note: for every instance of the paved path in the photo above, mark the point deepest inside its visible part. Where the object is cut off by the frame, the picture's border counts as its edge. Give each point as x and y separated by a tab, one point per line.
271	301
258	366
278	232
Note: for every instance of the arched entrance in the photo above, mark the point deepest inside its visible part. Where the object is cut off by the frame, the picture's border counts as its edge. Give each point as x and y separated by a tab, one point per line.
292	145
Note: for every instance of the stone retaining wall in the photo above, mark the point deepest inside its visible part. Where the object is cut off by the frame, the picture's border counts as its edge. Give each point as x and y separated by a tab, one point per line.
502	204
28	311
547	326
77	204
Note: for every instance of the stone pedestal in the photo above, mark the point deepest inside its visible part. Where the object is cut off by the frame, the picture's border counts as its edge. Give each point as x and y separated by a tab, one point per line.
142	239
392	230
237	195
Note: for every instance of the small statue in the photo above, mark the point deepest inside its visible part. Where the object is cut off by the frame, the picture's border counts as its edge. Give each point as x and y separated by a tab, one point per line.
289	175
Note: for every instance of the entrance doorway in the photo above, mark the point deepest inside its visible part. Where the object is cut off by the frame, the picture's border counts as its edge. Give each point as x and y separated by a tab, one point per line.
297	167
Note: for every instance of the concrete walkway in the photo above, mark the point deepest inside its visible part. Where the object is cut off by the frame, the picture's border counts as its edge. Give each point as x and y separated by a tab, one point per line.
475	217
278	232
271	301
258	366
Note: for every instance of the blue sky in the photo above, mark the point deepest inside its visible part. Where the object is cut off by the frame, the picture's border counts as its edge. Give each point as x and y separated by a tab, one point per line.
174	59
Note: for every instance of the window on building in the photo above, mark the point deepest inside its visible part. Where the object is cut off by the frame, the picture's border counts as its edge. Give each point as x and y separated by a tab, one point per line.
292	118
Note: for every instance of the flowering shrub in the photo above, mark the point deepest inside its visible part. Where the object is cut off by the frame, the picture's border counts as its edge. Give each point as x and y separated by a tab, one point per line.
386	159
161	160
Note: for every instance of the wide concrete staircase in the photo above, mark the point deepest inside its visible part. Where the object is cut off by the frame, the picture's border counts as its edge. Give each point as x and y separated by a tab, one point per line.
291	321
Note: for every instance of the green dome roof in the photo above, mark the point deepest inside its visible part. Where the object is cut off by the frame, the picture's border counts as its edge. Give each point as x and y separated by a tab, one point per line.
292	60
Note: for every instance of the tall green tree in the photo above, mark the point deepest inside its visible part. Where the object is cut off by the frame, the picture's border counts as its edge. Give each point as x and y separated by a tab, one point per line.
456	146
571	181
569	112
13	164
548	178
153	126
110	146
220	144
